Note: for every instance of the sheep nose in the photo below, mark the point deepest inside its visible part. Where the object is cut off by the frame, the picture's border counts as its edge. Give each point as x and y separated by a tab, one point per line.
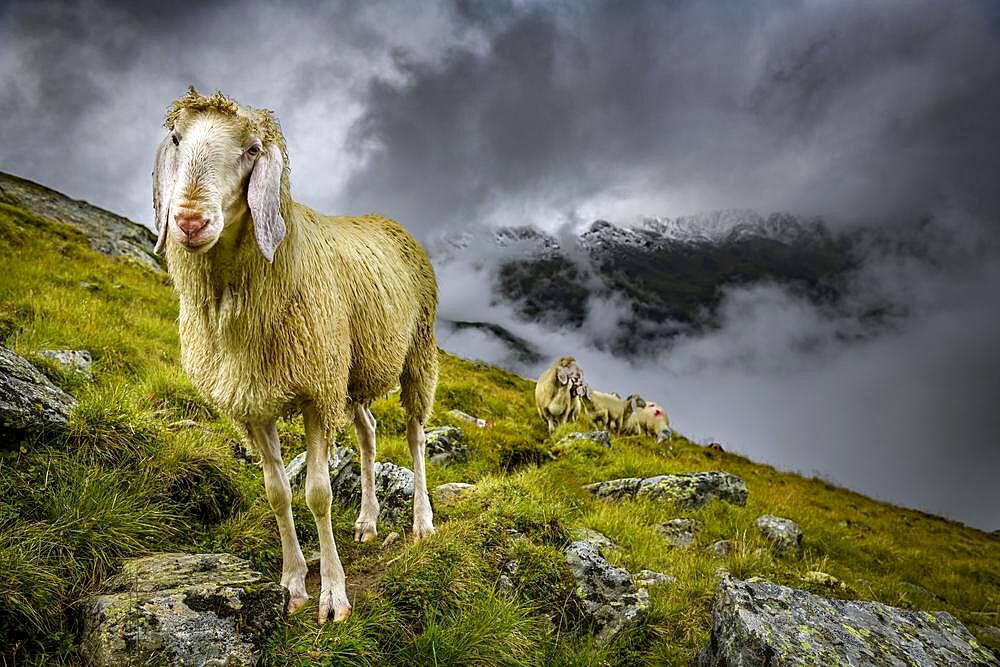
190	222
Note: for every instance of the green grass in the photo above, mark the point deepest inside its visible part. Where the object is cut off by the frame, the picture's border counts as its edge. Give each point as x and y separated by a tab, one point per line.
133	476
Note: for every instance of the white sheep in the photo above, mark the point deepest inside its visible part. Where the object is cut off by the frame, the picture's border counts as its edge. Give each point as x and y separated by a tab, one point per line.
557	392
285	310
649	419
606	410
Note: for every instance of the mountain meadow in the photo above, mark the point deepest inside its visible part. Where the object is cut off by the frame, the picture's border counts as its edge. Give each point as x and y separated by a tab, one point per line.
144	465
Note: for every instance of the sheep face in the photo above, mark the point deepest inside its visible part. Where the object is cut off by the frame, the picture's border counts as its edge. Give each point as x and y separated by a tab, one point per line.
211	171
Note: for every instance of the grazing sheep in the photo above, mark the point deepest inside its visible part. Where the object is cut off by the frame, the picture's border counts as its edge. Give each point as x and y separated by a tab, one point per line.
650	419
285	310
557	392
606	410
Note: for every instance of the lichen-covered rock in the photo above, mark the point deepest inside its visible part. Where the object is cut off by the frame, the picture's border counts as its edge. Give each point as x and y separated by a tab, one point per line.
720	547
650	579
822	579
607	595
679	532
600	438
71	361
182	609
447	444
757	622
29	403
599	540
615	489
106	232
393	484
451	492
688	489
785	534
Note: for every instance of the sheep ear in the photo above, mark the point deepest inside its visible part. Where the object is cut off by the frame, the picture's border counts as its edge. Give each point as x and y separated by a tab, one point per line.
264	199
164	174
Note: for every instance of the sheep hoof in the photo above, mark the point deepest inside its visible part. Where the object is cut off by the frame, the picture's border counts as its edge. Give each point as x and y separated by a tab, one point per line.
296	603
420	531
364	531
329	608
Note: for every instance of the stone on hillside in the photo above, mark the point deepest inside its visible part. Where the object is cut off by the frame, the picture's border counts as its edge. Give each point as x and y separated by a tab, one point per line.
599	540
720	547
391	539
447	444
451	492
182	609
29	402
600	438
757	622
607	595
679	532
71	361
688	489
785	534
818	578
649	579
393	484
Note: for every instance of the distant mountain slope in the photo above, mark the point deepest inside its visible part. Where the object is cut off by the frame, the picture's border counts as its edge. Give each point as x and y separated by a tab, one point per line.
667	273
107	232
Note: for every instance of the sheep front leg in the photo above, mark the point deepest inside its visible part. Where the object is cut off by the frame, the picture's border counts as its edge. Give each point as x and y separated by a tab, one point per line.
279	495
423	519
364	426
333	585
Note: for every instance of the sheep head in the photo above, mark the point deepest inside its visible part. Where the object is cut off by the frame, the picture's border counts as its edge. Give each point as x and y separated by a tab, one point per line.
220	165
567	372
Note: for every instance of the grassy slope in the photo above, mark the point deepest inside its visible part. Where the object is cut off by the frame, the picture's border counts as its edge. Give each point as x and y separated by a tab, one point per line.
124	483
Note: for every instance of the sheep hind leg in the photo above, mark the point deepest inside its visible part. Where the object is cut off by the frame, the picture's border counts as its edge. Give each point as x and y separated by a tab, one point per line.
333	600
279	495
364	426
423	519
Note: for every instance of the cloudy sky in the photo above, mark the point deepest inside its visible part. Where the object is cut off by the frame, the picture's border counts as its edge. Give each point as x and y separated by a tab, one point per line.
451	114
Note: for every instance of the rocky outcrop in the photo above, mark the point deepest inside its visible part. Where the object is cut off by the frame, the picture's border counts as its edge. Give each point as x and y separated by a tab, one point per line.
599	438
29	402
757	622
689	489
599	540
393	483
720	547
679	532
784	534
607	595
106	232
447	444
651	579
182	609
71	361
451	492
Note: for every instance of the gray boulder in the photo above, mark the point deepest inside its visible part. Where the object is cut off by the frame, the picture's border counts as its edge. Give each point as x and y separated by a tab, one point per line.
29	402
607	595
600	438
71	361
651	578
688	489
599	540
182	609
451	492
720	547
447	444
757	622
679	532
785	534
393	484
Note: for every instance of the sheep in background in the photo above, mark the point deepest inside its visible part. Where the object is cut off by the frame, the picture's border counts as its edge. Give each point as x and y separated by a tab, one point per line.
606	410
556	392
284	310
649	419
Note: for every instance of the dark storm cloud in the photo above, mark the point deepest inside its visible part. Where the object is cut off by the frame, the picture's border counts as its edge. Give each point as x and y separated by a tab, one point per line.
851	110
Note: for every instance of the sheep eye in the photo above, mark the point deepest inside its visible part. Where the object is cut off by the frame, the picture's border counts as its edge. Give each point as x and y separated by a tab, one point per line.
175	139
254	150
